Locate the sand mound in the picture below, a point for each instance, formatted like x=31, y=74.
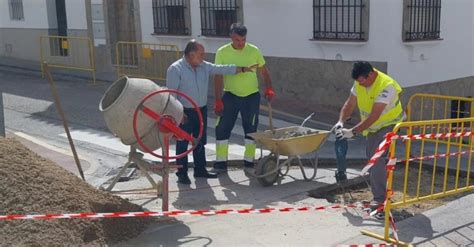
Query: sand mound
x=30, y=184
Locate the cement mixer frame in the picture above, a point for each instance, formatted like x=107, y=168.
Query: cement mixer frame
x=167, y=127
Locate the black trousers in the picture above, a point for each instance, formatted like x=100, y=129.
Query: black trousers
x=191, y=126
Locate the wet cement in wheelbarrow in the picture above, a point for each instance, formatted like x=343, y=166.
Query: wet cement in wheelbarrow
x=291, y=134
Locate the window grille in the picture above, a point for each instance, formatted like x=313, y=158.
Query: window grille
x=217, y=16
x=169, y=17
x=422, y=20
x=16, y=9
x=340, y=20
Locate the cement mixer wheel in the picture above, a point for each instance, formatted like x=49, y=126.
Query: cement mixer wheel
x=167, y=125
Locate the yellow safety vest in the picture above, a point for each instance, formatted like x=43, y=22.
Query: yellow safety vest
x=366, y=98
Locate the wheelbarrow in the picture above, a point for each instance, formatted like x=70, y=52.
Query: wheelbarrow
x=293, y=142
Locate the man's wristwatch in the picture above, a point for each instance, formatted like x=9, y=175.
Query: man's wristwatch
x=242, y=69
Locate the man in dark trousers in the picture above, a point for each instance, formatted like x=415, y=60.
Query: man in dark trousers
x=241, y=95
x=190, y=75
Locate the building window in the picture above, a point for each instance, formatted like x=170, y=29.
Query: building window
x=171, y=17
x=341, y=20
x=421, y=20
x=217, y=16
x=16, y=9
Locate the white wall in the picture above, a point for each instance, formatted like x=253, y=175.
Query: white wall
x=36, y=15
x=76, y=14
x=472, y=36
x=283, y=28
x=34, y=11
x=448, y=59
x=1, y=21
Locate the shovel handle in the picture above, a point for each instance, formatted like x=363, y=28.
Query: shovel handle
x=270, y=116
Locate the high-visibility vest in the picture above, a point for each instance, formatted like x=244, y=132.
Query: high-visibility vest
x=366, y=99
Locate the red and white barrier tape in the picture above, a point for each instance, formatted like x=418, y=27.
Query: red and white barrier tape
x=392, y=162
x=367, y=245
x=394, y=226
x=385, y=144
x=436, y=135
x=173, y=213
x=438, y=128
x=435, y=156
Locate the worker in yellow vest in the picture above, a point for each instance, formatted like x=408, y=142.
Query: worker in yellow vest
x=377, y=97
x=241, y=95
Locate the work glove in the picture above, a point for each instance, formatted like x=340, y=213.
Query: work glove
x=218, y=107
x=269, y=93
x=338, y=125
x=344, y=133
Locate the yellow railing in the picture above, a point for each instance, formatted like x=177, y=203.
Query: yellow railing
x=432, y=107
x=441, y=165
x=67, y=52
x=145, y=60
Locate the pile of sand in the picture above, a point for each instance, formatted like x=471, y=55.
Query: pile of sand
x=30, y=184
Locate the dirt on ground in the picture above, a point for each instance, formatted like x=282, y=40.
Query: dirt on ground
x=419, y=184
x=31, y=184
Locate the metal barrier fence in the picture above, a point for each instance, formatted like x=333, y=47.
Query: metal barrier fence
x=145, y=60
x=67, y=52
x=433, y=107
x=441, y=165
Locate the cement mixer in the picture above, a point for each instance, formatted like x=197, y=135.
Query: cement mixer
x=118, y=106
x=146, y=117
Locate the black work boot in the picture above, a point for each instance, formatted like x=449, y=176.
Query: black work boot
x=204, y=174
x=219, y=167
x=183, y=178
x=341, y=176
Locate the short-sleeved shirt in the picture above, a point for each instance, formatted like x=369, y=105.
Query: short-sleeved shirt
x=242, y=84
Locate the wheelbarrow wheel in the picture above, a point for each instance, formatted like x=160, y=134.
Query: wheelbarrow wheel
x=268, y=167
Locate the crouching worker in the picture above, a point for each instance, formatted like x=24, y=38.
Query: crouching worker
x=377, y=97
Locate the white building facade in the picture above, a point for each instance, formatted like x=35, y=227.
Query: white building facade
x=309, y=44
x=284, y=28
x=22, y=22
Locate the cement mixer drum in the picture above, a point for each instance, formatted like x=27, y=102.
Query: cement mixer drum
x=120, y=101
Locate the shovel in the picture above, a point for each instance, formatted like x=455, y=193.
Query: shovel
x=305, y=120
x=270, y=116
